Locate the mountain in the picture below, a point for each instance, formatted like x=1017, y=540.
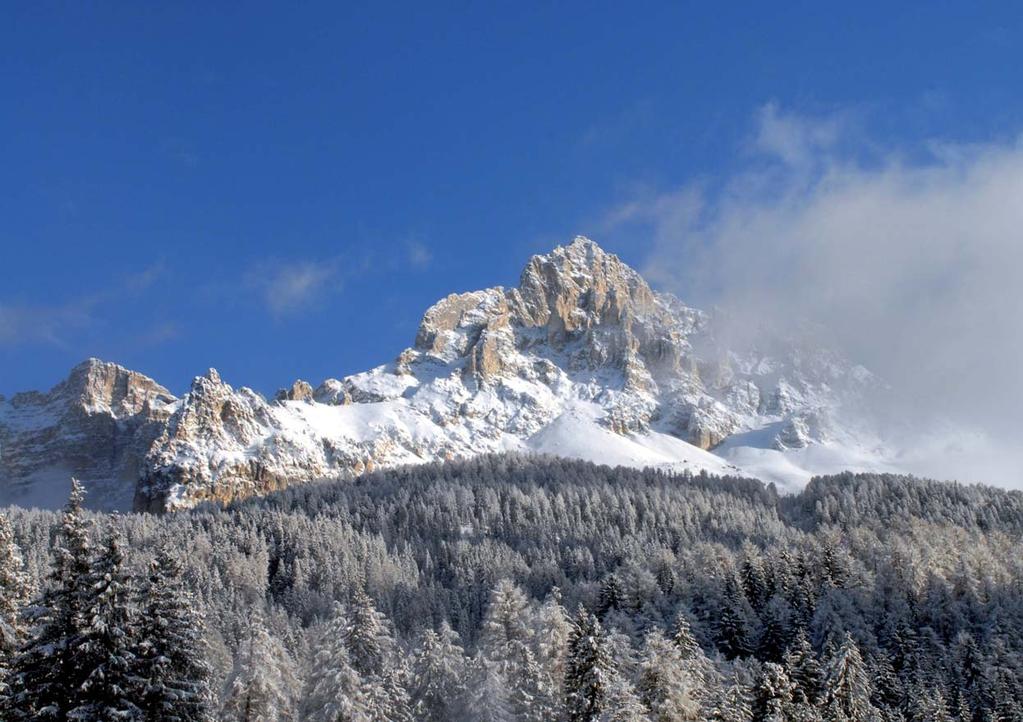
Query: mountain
x=583, y=359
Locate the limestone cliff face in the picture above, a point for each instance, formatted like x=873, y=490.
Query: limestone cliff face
x=98, y=423
x=581, y=358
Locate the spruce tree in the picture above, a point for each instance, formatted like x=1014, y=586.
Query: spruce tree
x=104, y=649
x=847, y=685
x=172, y=666
x=439, y=675
x=366, y=636
x=803, y=669
x=371, y=649
x=16, y=591
x=732, y=625
x=664, y=685
x=734, y=705
x=262, y=684
x=622, y=703
x=46, y=676
x=611, y=597
x=772, y=701
x=589, y=671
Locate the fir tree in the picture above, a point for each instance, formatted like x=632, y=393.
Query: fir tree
x=803, y=669
x=734, y=705
x=369, y=644
x=611, y=597
x=16, y=591
x=173, y=670
x=847, y=685
x=682, y=636
x=664, y=685
x=438, y=671
x=772, y=700
x=371, y=651
x=262, y=684
x=928, y=705
x=104, y=650
x=622, y=703
x=46, y=676
x=589, y=670
x=732, y=625
x=333, y=689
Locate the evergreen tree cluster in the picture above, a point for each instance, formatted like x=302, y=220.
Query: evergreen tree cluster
x=511, y=588
x=97, y=645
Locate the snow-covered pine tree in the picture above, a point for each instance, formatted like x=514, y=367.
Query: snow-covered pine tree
x=589, y=670
x=735, y=704
x=506, y=621
x=703, y=674
x=682, y=636
x=754, y=576
x=366, y=637
x=488, y=697
x=506, y=640
x=847, y=685
x=16, y=590
x=172, y=667
x=732, y=625
x=439, y=675
x=803, y=669
x=333, y=689
x=927, y=705
x=622, y=703
x=665, y=686
x=104, y=649
x=371, y=649
x=262, y=684
x=45, y=676
x=772, y=701
x=387, y=696
x=776, y=616
x=552, y=628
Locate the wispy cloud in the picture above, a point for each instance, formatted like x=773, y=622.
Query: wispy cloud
x=26, y=324
x=909, y=260
x=60, y=324
x=288, y=287
x=419, y=255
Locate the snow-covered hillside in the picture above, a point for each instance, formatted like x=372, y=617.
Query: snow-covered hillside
x=582, y=359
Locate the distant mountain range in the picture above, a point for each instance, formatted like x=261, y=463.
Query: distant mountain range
x=583, y=359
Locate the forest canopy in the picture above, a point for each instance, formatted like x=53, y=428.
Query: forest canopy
x=512, y=587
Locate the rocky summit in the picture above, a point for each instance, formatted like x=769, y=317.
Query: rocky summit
x=582, y=359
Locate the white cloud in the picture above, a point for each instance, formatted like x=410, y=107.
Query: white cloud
x=910, y=266
x=289, y=287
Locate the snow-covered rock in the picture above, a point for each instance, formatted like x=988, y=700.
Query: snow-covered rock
x=581, y=359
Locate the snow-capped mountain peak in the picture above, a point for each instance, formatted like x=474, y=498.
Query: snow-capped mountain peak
x=582, y=359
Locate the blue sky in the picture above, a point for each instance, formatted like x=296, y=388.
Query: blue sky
x=280, y=192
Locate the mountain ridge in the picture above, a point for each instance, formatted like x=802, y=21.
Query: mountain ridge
x=581, y=359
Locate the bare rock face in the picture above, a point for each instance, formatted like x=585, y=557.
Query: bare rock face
x=97, y=425
x=582, y=358
x=298, y=391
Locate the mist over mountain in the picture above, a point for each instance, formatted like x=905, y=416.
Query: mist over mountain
x=904, y=260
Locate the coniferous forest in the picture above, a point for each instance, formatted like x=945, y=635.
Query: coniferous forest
x=519, y=588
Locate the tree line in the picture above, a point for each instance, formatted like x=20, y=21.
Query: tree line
x=523, y=588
